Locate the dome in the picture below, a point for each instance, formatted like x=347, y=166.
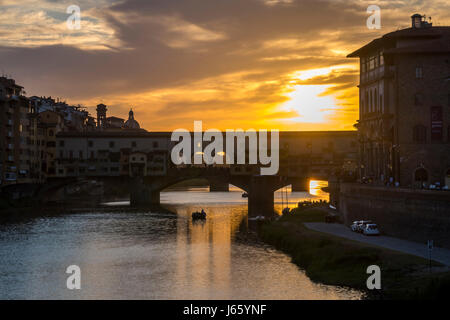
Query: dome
x=131, y=123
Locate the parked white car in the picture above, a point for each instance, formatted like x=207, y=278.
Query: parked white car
x=371, y=229
x=362, y=225
x=355, y=226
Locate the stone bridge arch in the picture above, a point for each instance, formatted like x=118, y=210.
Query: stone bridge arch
x=145, y=191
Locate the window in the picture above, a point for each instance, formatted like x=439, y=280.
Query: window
x=111, y=144
x=50, y=133
x=381, y=103
x=71, y=154
x=420, y=134
x=92, y=154
x=419, y=73
x=61, y=143
x=133, y=144
x=372, y=63
x=155, y=144
x=367, y=102
x=90, y=143
x=60, y=154
x=80, y=154
x=375, y=97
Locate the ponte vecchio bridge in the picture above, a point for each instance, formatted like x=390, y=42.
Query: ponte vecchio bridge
x=143, y=161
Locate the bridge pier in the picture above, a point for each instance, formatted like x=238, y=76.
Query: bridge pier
x=143, y=195
x=261, y=196
x=300, y=184
x=216, y=185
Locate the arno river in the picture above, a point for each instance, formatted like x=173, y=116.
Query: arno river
x=126, y=254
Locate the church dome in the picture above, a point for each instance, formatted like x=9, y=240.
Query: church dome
x=131, y=123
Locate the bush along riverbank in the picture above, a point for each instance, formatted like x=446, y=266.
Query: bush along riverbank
x=337, y=261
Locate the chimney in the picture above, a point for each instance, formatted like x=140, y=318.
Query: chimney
x=418, y=21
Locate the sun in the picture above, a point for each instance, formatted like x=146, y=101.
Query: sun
x=310, y=103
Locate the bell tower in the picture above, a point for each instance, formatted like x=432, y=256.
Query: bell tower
x=101, y=116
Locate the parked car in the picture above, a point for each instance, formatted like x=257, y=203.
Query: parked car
x=355, y=225
x=362, y=225
x=371, y=229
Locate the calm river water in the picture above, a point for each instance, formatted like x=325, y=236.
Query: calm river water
x=150, y=255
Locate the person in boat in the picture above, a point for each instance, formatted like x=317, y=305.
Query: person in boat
x=203, y=212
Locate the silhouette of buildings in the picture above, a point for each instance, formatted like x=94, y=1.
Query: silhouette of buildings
x=18, y=154
x=29, y=127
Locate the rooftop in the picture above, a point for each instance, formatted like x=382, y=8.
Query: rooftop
x=436, y=40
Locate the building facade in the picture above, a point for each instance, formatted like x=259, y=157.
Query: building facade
x=404, y=94
x=112, y=153
x=18, y=153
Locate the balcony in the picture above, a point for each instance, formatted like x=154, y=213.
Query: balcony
x=377, y=74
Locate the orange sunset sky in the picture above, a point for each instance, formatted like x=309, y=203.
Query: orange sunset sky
x=230, y=63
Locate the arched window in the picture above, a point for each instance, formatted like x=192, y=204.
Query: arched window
x=370, y=101
x=420, y=134
x=421, y=175
x=50, y=133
